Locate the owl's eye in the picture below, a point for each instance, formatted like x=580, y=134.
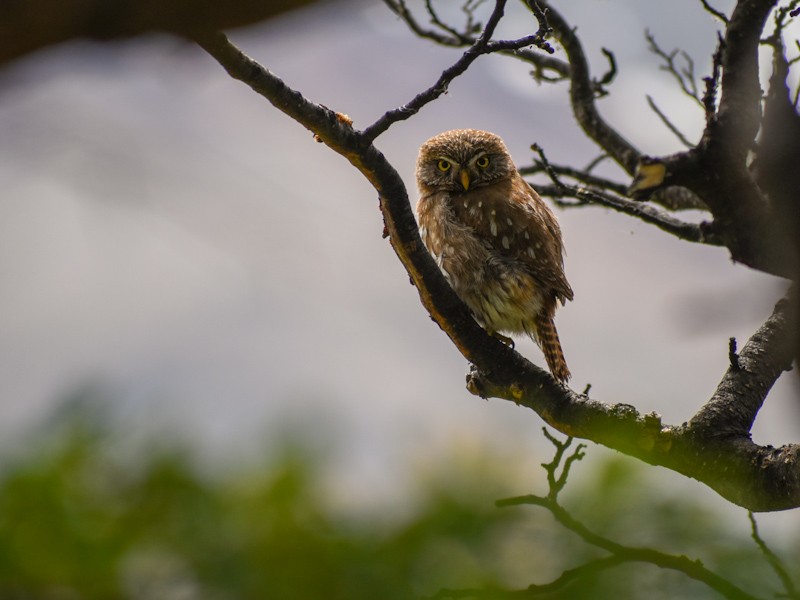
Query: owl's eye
x=482, y=162
x=444, y=165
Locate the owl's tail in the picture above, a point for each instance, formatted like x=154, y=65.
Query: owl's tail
x=547, y=337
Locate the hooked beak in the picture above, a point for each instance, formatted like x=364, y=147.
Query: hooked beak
x=464, y=179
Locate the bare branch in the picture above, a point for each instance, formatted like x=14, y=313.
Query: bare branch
x=582, y=95
x=481, y=46
x=761, y=478
x=399, y=8
x=669, y=124
x=719, y=15
x=739, y=111
x=649, y=214
x=557, y=482
x=582, y=175
x=545, y=68
x=774, y=561
x=683, y=75
x=693, y=569
x=738, y=398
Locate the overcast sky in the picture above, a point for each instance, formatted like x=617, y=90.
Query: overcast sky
x=170, y=240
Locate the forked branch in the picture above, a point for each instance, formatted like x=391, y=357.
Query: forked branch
x=618, y=553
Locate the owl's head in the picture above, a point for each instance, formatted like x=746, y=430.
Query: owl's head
x=462, y=159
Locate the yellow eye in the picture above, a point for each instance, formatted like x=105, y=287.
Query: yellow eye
x=444, y=165
x=482, y=162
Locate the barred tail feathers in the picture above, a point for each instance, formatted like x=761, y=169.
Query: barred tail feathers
x=547, y=338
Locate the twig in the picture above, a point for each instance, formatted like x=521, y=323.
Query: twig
x=434, y=18
x=400, y=8
x=733, y=357
x=587, y=569
x=481, y=46
x=583, y=92
x=693, y=569
x=669, y=124
x=719, y=15
x=684, y=76
x=581, y=175
x=644, y=212
x=775, y=562
x=711, y=82
x=557, y=482
x=609, y=75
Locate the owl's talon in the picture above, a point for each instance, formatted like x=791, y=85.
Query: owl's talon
x=506, y=340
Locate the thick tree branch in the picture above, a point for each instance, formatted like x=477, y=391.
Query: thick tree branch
x=335, y=131
x=760, y=478
x=716, y=170
x=732, y=409
x=739, y=113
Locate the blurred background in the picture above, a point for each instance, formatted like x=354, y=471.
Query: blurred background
x=187, y=278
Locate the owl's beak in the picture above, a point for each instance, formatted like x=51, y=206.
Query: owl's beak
x=465, y=179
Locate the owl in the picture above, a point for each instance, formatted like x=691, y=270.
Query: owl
x=497, y=243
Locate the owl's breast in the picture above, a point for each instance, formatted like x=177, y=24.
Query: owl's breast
x=499, y=289
x=455, y=246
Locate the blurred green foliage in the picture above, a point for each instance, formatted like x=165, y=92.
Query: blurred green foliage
x=81, y=520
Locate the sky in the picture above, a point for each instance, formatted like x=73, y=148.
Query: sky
x=172, y=244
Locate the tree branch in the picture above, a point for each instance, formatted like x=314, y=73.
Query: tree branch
x=713, y=11
x=760, y=478
x=716, y=170
x=667, y=123
x=619, y=553
x=582, y=95
x=732, y=409
x=693, y=569
x=543, y=63
x=482, y=45
x=685, y=76
x=649, y=214
x=773, y=560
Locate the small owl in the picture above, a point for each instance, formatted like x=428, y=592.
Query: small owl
x=495, y=240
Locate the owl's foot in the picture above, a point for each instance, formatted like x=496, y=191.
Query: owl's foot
x=506, y=340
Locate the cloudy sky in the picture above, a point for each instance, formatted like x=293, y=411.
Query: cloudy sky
x=171, y=242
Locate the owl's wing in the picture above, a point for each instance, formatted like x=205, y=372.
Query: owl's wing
x=517, y=224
